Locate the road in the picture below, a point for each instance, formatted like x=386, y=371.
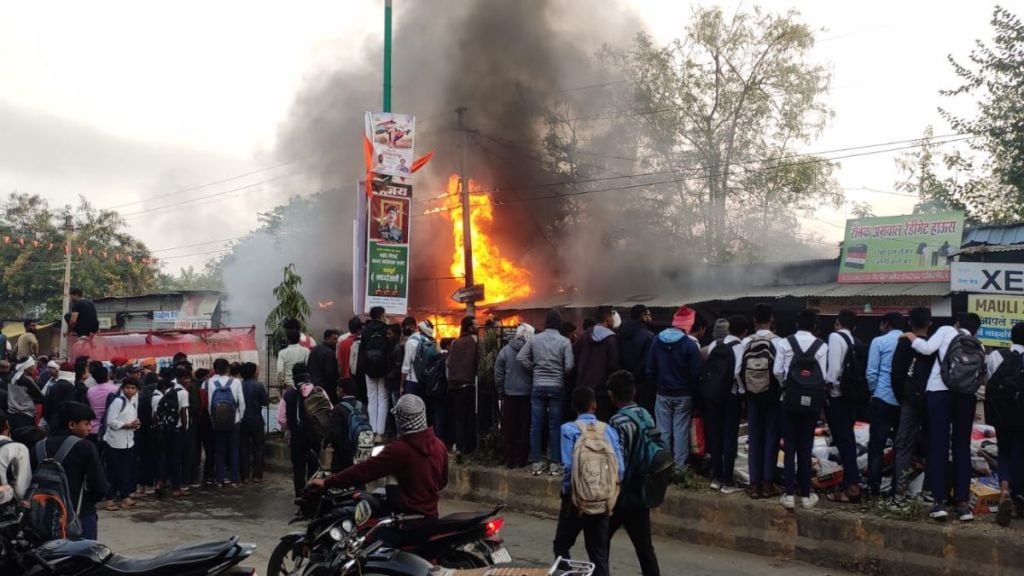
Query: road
x=260, y=514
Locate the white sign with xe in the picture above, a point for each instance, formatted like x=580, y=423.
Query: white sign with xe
x=987, y=277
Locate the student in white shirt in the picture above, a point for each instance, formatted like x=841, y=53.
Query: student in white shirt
x=798, y=428
x=227, y=438
x=15, y=465
x=119, y=451
x=1011, y=439
x=762, y=407
x=839, y=411
x=950, y=419
x=723, y=418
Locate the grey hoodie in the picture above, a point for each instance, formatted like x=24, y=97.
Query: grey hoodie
x=549, y=355
x=510, y=378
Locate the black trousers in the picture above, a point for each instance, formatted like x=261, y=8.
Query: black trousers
x=208, y=442
x=303, y=463
x=251, y=448
x=172, y=463
x=464, y=404
x=515, y=430
x=638, y=526
x=595, y=535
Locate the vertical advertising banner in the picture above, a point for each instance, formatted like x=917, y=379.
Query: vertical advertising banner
x=391, y=136
x=910, y=248
x=998, y=315
x=387, y=246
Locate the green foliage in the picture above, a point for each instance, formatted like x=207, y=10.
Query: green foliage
x=290, y=304
x=31, y=279
x=990, y=187
x=190, y=279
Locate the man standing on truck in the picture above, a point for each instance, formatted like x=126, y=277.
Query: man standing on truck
x=82, y=319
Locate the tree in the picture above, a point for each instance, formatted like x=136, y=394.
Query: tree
x=106, y=259
x=994, y=77
x=713, y=120
x=290, y=304
x=208, y=278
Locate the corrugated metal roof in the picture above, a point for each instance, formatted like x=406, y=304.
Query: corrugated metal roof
x=697, y=296
x=994, y=235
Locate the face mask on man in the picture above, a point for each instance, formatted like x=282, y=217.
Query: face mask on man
x=408, y=331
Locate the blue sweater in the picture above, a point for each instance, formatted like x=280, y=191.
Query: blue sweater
x=673, y=363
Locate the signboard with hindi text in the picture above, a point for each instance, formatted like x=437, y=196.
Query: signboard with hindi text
x=912, y=248
x=391, y=136
x=987, y=277
x=998, y=315
x=387, y=247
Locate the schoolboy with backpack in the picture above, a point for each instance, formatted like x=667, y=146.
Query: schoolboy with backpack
x=721, y=393
x=648, y=470
x=757, y=360
x=351, y=435
x=593, y=469
x=226, y=407
x=1004, y=409
x=800, y=364
x=952, y=384
x=67, y=480
x=848, y=392
x=910, y=372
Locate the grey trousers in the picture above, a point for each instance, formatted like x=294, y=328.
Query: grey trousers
x=908, y=434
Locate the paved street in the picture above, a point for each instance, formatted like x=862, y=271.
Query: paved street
x=260, y=514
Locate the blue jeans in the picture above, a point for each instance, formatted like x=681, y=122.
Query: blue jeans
x=763, y=437
x=951, y=417
x=546, y=401
x=673, y=415
x=227, y=449
x=884, y=419
x=839, y=415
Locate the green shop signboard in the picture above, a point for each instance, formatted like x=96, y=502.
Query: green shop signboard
x=912, y=248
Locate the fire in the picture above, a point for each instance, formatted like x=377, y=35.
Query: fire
x=448, y=326
x=502, y=279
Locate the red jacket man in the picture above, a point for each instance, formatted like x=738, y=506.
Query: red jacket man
x=418, y=459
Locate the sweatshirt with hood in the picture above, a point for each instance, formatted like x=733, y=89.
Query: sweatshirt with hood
x=511, y=378
x=598, y=357
x=420, y=463
x=548, y=354
x=673, y=363
x=635, y=340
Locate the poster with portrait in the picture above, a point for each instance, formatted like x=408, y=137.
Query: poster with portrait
x=389, y=213
x=391, y=136
x=387, y=246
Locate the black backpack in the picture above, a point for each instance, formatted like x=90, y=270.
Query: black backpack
x=168, y=413
x=963, y=368
x=1004, y=393
x=429, y=367
x=805, y=383
x=853, y=383
x=146, y=407
x=719, y=372
x=910, y=381
x=51, y=514
x=374, y=346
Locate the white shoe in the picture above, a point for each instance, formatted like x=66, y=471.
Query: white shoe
x=715, y=485
x=538, y=468
x=726, y=490
x=810, y=501
x=788, y=502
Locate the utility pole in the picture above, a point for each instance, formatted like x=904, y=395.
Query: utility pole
x=69, y=228
x=467, y=236
x=387, y=56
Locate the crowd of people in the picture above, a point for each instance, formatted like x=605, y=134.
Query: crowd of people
x=123, y=431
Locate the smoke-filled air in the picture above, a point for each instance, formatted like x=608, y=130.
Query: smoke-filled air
x=594, y=157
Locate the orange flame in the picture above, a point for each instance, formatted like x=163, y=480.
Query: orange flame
x=502, y=279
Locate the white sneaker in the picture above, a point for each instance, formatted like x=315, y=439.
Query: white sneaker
x=788, y=502
x=726, y=490
x=538, y=468
x=715, y=485
x=810, y=501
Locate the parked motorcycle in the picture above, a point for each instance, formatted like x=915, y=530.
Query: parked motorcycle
x=365, y=551
x=90, y=558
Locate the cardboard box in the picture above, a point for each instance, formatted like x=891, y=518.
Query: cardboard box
x=984, y=498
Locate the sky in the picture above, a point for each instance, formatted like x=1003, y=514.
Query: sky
x=127, y=104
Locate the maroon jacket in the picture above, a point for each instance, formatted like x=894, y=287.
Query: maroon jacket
x=463, y=361
x=418, y=460
x=596, y=358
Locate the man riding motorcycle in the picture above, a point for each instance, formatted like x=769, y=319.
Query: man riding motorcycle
x=417, y=459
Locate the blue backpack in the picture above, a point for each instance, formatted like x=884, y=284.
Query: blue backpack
x=111, y=398
x=651, y=463
x=222, y=406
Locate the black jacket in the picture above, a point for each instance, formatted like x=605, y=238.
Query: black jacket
x=635, y=340
x=323, y=368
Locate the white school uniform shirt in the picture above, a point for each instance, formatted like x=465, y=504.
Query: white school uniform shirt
x=122, y=411
x=737, y=388
x=236, y=391
x=837, y=348
x=938, y=343
x=995, y=359
x=784, y=354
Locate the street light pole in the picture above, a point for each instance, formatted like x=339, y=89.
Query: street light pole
x=387, y=56
x=69, y=228
x=467, y=233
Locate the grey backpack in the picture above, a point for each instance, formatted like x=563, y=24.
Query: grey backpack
x=963, y=367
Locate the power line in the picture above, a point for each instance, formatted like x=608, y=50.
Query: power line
x=214, y=195
x=198, y=244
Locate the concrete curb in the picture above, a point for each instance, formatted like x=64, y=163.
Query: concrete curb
x=827, y=536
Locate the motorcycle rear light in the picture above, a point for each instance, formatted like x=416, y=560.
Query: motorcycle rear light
x=493, y=527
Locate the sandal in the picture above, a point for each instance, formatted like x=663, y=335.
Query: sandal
x=850, y=495
x=755, y=492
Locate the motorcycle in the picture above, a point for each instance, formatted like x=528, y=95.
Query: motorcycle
x=365, y=551
x=464, y=540
x=18, y=555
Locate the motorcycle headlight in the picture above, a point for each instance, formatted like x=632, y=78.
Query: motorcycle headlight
x=348, y=526
x=337, y=533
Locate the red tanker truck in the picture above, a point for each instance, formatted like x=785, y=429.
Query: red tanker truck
x=202, y=345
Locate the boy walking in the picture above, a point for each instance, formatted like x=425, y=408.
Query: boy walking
x=581, y=511
x=634, y=426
